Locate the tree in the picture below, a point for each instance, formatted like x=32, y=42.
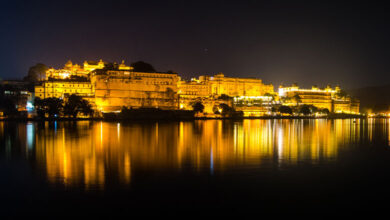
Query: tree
x=225, y=109
x=36, y=73
x=305, y=110
x=50, y=106
x=313, y=109
x=7, y=106
x=325, y=111
x=224, y=97
x=86, y=108
x=54, y=106
x=216, y=109
x=39, y=105
x=75, y=105
x=285, y=110
x=141, y=66
x=308, y=109
x=297, y=99
x=198, y=107
x=71, y=107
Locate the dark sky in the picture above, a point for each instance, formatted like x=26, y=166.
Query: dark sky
x=308, y=42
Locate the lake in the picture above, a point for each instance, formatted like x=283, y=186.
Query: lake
x=216, y=166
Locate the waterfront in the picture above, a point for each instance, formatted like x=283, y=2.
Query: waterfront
x=91, y=167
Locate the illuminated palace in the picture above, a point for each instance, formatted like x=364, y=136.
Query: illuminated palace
x=220, y=85
x=117, y=88
x=209, y=88
x=332, y=99
x=72, y=79
x=110, y=87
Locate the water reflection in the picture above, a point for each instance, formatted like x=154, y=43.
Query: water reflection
x=90, y=154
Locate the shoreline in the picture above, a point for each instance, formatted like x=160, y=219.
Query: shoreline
x=184, y=119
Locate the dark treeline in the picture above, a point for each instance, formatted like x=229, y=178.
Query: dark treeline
x=73, y=106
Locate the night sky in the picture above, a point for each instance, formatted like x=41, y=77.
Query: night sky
x=308, y=42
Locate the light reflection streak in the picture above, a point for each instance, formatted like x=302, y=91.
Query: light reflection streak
x=119, y=130
x=211, y=161
x=30, y=135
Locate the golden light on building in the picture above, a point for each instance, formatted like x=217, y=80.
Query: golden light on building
x=74, y=70
x=253, y=106
x=90, y=66
x=111, y=89
x=207, y=89
x=326, y=98
x=115, y=89
x=62, y=88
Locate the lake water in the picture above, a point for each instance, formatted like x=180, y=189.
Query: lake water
x=222, y=167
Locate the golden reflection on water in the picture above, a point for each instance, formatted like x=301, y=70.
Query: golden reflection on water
x=88, y=153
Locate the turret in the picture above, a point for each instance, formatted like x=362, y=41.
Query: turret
x=68, y=65
x=337, y=89
x=123, y=66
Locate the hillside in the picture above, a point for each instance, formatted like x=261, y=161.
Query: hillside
x=376, y=98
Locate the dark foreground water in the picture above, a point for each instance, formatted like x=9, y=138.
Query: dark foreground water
x=218, y=167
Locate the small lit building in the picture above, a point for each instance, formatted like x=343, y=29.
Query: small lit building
x=18, y=92
x=253, y=106
x=345, y=105
x=64, y=88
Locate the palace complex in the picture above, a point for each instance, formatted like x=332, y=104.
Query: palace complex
x=110, y=87
x=213, y=90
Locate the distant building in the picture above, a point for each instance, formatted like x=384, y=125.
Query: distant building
x=326, y=98
x=345, y=105
x=18, y=92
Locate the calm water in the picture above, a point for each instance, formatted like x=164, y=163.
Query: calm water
x=217, y=166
